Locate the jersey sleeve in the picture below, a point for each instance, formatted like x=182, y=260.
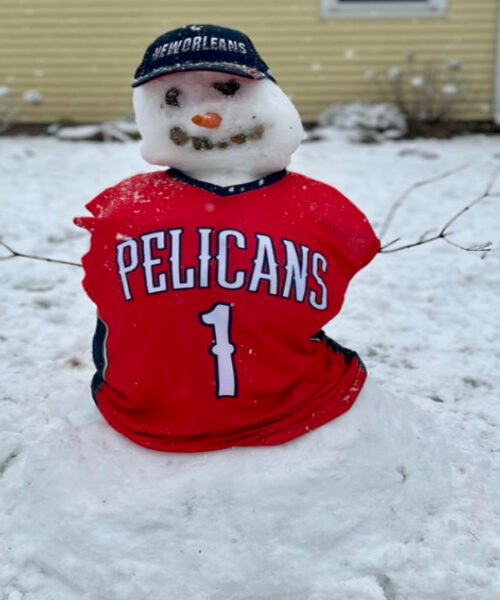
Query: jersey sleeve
x=353, y=234
x=102, y=226
x=98, y=208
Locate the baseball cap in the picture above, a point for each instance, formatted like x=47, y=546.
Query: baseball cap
x=202, y=48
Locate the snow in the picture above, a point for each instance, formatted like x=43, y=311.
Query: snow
x=450, y=89
x=394, y=73
x=382, y=120
x=114, y=130
x=417, y=81
x=33, y=97
x=87, y=514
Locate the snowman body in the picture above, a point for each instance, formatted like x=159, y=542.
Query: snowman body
x=213, y=281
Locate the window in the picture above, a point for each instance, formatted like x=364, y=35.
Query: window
x=383, y=8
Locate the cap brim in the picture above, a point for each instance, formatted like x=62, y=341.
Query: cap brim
x=233, y=69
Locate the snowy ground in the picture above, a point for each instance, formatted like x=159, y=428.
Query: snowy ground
x=85, y=514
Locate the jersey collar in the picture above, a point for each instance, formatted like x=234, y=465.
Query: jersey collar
x=230, y=190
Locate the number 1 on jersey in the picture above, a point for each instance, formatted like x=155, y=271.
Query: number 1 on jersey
x=220, y=319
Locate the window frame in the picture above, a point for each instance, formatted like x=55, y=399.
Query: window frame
x=380, y=9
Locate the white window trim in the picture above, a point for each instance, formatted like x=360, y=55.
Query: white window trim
x=383, y=10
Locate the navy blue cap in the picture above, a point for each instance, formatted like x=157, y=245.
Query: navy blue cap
x=202, y=48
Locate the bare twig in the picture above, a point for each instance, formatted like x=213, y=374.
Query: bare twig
x=399, y=201
x=15, y=254
x=444, y=233
x=484, y=247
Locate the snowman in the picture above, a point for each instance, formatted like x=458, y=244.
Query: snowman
x=213, y=279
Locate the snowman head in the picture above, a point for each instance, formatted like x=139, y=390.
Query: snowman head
x=206, y=102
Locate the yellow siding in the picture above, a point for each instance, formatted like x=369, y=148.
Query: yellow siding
x=81, y=54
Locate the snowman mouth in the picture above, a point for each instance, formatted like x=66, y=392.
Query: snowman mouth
x=180, y=137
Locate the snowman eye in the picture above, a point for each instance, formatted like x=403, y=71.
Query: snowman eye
x=227, y=88
x=172, y=97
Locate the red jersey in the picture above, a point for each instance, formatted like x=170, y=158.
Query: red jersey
x=210, y=306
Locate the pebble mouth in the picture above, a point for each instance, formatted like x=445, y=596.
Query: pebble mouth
x=180, y=138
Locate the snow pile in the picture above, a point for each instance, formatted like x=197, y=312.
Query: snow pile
x=121, y=131
x=403, y=504
x=11, y=105
x=116, y=521
x=366, y=122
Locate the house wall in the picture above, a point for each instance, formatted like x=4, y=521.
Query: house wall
x=81, y=54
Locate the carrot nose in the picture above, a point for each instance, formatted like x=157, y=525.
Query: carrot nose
x=209, y=120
